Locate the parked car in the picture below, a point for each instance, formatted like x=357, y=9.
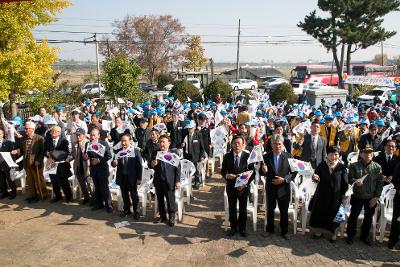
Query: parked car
x=195, y=81
x=384, y=93
x=92, y=88
x=147, y=87
x=243, y=84
x=273, y=83
x=168, y=87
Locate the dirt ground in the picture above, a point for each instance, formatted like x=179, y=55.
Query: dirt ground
x=46, y=234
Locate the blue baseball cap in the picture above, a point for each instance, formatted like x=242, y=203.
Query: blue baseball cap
x=318, y=113
x=328, y=117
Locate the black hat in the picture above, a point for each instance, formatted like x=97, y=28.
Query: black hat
x=74, y=112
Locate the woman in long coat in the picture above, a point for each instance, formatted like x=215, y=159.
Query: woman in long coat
x=332, y=178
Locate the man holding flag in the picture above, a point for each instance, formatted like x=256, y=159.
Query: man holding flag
x=167, y=178
x=129, y=175
x=98, y=153
x=233, y=165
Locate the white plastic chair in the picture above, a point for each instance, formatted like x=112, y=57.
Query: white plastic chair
x=218, y=152
x=187, y=174
x=251, y=206
x=306, y=191
x=178, y=201
x=19, y=175
x=144, y=189
x=361, y=216
x=201, y=168
x=352, y=157
x=386, y=212
x=115, y=190
x=293, y=206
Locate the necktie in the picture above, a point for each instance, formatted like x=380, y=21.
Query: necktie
x=55, y=143
x=237, y=161
x=277, y=164
x=389, y=158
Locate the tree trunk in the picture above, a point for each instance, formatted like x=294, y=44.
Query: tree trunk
x=348, y=66
x=338, y=66
x=341, y=83
x=13, y=106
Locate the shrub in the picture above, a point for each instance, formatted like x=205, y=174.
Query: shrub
x=216, y=87
x=163, y=79
x=361, y=90
x=184, y=89
x=283, y=92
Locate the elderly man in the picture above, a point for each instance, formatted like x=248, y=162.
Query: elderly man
x=99, y=170
x=81, y=166
x=368, y=184
x=233, y=164
x=167, y=178
x=57, y=150
x=75, y=123
x=278, y=178
x=313, y=146
x=129, y=176
x=32, y=149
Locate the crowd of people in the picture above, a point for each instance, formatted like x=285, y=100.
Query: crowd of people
x=324, y=136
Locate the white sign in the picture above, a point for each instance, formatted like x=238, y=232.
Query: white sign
x=371, y=80
x=8, y=159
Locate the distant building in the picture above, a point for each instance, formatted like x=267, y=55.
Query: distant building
x=261, y=73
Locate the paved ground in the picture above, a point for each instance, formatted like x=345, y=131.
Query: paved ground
x=46, y=234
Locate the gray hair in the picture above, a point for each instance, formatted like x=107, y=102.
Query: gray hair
x=56, y=127
x=277, y=138
x=31, y=124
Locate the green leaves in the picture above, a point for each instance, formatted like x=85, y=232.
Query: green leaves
x=120, y=78
x=216, y=87
x=183, y=90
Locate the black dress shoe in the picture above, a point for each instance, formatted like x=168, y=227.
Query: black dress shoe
x=124, y=213
x=285, y=236
x=12, y=196
x=136, y=216
x=33, y=200
x=160, y=220
x=28, y=199
x=332, y=240
x=109, y=209
x=243, y=233
x=366, y=241
x=232, y=232
x=390, y=245
x=85, y=200
x=350, y=240
x=2, y=196
x=97, y=207
x=54, y=200
x=171, y=221
x=315, y=236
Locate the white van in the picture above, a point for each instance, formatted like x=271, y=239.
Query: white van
x=195, y=82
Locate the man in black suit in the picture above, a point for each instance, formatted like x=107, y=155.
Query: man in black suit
x=142, y=133
x=151, y=145
x=116, y=133
x=175, y=129
x=234, y=163
x=313, y=147
x=278, y=178
x=56, y=149
x=371, y=138
x=166, y=178
x=388, y=160
x=99, y=172
x=5, y=179
x=395, y=227
x=129, y=176
x=205, y=132
x=193, y=148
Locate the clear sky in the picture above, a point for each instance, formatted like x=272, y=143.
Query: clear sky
x=214, y=20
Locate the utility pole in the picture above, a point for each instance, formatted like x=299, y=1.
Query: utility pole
x=382, y=53
x=108, y=47
x=212, y=69
x=237, y=53
x=98, y=62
